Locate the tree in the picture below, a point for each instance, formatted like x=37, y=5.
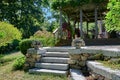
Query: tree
x=8, y=33
x=26, y=15
x=113, y=16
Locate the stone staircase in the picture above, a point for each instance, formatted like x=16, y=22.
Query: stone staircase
x=55, y=61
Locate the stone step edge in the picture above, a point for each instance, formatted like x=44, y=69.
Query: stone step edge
x=58, y=49
x=76, y=74
x=37, y=70
x=58, y=60
x=51, y=63
x=54, y=66
x=60, y=54
x=48, y=52
x=55, y=58
x=107, y=72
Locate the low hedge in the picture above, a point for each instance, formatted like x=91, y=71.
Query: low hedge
x=25, y=44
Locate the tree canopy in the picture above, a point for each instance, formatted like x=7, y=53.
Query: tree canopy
x=26, y=15
x=113, y=16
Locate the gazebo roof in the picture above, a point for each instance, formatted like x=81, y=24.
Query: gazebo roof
x=88, y=7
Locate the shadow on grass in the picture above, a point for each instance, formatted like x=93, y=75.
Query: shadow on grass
x=8, y=57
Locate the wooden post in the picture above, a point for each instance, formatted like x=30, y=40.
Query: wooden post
x=78, y=25
x=81, y=32
x=87, y=24
x=60, y=33
x=96, y=24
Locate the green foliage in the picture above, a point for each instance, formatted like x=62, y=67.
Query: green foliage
x=56, y=4
x=19, y=63
x=113, y=16
x=13, y=46
x=45, y=37
x=7, y=58
x=6, y=70
x=8, y=33
x=26, y=15
x=112, y=64
x=25, y=44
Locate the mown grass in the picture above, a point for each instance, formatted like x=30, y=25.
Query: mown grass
x=111, y=65
x=6, y=72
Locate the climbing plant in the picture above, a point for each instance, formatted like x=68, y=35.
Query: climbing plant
x=113, y=16
x=56, y=4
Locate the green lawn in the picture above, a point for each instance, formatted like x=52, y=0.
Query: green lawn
x=6, y=72
x=111, y=65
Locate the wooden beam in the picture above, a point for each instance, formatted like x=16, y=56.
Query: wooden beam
x=87, y=24
x=81, y=17
x=60, y=36
x=96, y=24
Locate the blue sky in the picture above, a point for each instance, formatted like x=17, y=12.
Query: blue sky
x=47, y=14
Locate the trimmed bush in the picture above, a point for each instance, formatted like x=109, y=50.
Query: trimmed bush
x=19, y=63
x=25, y=44
x=45, y=37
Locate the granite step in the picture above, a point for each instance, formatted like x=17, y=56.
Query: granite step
x=76, y=74
x=56, y=54
x=54, y=66
x=102, y=70
x=54, y=60
x=58, y=72
x=58, y=49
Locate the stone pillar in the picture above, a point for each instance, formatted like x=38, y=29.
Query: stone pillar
x=96, y=24
x=81, y=32
x=33, y=55
x=78, y=43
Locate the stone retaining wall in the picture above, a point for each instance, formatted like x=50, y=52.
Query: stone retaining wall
x=100, y=72
x=79, y=58
x=33, y=55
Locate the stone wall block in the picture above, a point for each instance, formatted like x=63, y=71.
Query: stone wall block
x=33, y=55
x=38, y=58
x=71, y=62
x=75, y=56
x=81, y=63
x=78, y=43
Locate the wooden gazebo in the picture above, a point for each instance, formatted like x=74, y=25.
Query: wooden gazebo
x=82, y=11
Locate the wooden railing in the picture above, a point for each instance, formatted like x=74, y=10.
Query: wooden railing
x=56, y=34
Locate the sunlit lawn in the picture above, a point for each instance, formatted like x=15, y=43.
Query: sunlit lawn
x=111, y=65
x=6, y=72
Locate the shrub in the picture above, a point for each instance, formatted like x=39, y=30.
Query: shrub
x=10, y=47
x=19, y=63
x=8, y=33
x=15, y=44
x=45, y=37
x=25, y=44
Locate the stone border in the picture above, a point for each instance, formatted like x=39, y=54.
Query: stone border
x=56, y=49
x=108, y=73
x=76, y=74
x=105, y=52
